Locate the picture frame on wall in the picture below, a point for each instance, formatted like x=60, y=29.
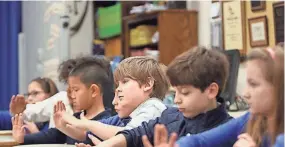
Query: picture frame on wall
x=257, y=5
x=233, y=26
x=278, y=14
x=258, y=31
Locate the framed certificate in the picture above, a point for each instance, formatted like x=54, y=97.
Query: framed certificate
x=233, y=14
x=258, y=31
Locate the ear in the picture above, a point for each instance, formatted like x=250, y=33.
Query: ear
x=212, y=90
x=95, y=90
x=149, y=84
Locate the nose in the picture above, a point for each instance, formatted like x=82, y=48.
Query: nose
x=72, y=94
x=30, y=99
x=177, y=99
x=115, y=100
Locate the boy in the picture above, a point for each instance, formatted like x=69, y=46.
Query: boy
x=86, y=82
x=141, y=86
x=43, y=111
x=198, y=77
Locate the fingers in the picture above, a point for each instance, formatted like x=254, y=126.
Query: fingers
x=246, y=137
x=82, y=145
x=172, y=139
x=20, y=120
x=160, y=134
x=156, y=134
x=163, y=134
x=146, y=142
x=55, y=107
x=63, y=106
x=95, y=140
x=13, y=120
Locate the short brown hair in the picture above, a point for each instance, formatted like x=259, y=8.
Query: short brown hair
x=141, y=68
x=199, y=67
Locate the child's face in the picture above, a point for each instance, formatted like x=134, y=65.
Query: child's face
x=80, y=94
x=258, y=91
x=36, y=93
x=190, y=100
x=128, y=96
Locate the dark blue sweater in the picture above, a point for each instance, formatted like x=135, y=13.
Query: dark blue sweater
x=54, y=136
x=176, y=122
x=224, y=136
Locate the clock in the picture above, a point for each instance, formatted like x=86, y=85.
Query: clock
x=76, y=11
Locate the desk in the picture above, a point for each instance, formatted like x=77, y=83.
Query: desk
x=6, y=139
x=46, y=145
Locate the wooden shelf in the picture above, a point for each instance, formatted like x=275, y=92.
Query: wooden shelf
x=178, y=32
x=152, y=45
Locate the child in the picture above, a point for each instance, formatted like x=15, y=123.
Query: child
x=141, y=86
x=265, y=96
x=86, y=82
x=43, y=111
x=198, y=77
x=39, y=89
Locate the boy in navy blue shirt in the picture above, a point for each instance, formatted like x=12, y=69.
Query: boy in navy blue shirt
x=198, y=77
x=86, y=82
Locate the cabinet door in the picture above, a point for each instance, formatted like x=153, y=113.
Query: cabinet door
x=178, y=32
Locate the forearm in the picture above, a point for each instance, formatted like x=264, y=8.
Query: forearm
x=75, y=133
x=101, y=130
x=116, y=141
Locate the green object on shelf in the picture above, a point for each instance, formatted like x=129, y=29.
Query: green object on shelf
x=109, y=21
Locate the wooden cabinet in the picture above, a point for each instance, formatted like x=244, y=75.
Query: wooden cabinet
x=178, y=31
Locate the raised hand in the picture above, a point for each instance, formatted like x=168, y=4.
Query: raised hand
x=245, y=140
x=160, y=138
x=17, y=104
x=59, y=110
x=18, y=131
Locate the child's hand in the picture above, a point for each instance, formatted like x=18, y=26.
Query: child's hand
x=17, y=104
x=18, y=131
x=245, y=140
x=59, y=110
x=82, y=145
x=31, y=126
x=160, y=138
x=94, y=140
x=73, y=121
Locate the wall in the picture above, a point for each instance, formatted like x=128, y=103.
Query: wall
x=38, y=33
x=82, y=42
x=270, y=22
x=204, y=25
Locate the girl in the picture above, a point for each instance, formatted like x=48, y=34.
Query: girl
x=39, y=89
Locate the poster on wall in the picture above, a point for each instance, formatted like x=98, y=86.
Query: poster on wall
x=233, y=13
x=278, y=13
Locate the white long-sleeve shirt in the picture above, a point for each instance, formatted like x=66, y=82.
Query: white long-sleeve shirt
x=43, y=111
